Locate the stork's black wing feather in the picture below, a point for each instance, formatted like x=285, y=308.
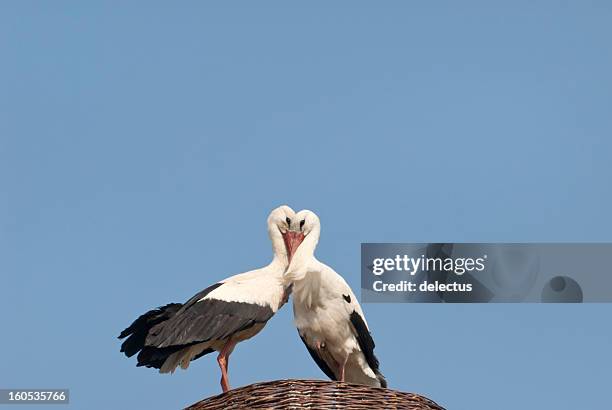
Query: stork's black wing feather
x=199, y=296
x=366, y=343
x=138, y=330
x=364, y=338
x=154, y=357
x=203, y=320
x=319, y=361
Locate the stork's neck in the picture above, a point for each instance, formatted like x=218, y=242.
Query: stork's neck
x=305, y=252
x=280, y=259
x=303, y=273
x=279, y=263
x=308, y=246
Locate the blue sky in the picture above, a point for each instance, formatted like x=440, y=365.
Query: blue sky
x=143, y=145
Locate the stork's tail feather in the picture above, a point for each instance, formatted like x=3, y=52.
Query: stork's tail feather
x=137, y=332
x=381, y=378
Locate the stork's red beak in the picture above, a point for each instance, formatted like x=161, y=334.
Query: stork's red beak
x=292, y=241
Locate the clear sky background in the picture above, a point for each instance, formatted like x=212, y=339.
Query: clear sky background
x=143, y=144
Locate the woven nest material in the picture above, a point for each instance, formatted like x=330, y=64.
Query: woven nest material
x=314, y=394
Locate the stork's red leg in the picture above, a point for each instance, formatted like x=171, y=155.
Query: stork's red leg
x=342, y=366
x=331, y=361
x=223, y=360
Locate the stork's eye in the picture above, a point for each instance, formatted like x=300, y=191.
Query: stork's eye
x=288, y=221
x=302, y=222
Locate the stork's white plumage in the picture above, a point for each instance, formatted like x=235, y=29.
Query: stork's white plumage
x=220, y=316
x=328, y=316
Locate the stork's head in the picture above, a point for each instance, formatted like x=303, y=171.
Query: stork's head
x=307, y=229
x=306, y=223
x=279, y=226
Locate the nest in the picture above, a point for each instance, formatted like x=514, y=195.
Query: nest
x=314, y=394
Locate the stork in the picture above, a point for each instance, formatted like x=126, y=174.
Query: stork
x=328, y=316
x=220, y=316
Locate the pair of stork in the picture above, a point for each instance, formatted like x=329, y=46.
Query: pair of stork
x=329, y=319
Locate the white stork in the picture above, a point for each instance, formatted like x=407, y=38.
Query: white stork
x=328, y=317
x=220, y=316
